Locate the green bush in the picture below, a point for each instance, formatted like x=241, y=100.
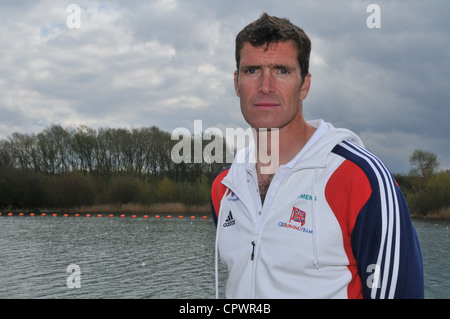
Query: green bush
x=127, y=189
x=166, y=191
x=434, y=195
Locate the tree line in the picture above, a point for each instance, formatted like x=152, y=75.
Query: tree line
x=68, y=167
x=71, y=167
x=426, y=188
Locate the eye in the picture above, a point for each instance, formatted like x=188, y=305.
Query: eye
x=283, y=71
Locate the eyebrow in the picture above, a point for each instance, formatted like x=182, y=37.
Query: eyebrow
x=270, y=66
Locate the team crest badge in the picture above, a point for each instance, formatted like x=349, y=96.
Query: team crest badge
x=298, y=216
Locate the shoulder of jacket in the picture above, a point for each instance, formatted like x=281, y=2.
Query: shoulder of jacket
x=371, y=165
x=217, y=188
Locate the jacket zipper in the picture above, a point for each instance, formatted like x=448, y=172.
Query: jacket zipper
x=253, y=251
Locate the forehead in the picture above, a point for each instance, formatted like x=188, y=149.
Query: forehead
x=281, y=53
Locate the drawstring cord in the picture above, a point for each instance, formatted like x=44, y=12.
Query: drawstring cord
x=216, y=266
x=313, y=211
x=216, y=250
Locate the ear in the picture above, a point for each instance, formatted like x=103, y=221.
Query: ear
x=236, y=83
x=304, y=90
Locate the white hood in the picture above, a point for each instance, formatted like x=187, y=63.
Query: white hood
x=314, y=157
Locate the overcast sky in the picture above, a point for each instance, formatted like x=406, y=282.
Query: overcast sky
x=166, y=63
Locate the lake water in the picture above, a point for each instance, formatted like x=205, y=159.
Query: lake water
x=142, y=257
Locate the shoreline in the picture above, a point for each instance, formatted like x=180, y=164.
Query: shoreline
x=125, y=209
x=164, y=208
x=440, y=214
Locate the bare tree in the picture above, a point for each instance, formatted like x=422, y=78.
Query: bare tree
x=424, y=163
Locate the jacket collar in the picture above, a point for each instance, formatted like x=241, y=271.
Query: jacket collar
x=312, y=156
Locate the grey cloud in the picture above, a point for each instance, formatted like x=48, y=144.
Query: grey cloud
x=167, y=63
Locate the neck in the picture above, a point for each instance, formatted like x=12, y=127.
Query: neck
x=279, y=146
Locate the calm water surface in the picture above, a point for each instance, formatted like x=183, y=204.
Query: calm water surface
x=118, y=257
x=435, y=245
x=142, y=258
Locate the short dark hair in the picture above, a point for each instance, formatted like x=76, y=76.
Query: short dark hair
x=269, y=29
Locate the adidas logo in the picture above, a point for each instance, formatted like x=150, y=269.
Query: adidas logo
x=229, y=221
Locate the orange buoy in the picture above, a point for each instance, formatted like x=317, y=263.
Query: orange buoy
x=54, y=215
x=32, y=214
x=20, y=214
x=122, y=216
x=110, y=215
x=66, y=215
x=88, y=215
x=192, y=217
x=99, y=215
x=169, y=216
x=204, y=217
x=10, y=214
x=156, y=216
x=133, y=216
x=145, y=216
x=43, y=214
x=180, y=216
x=77, y=215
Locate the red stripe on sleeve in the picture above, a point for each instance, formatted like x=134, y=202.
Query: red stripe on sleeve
x=218, y=190
x=347, y=190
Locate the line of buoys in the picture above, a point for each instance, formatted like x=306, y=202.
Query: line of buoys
x=101, y=215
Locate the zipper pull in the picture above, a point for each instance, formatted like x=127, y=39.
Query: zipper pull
x=253, y=250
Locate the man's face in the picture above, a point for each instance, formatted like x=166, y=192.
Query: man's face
x=270, y=86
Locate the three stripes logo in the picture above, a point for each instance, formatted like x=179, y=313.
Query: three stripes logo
x=229, y=221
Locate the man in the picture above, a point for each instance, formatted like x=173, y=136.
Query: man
x=329, y=221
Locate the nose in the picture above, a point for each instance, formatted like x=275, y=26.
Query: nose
x=266, y=85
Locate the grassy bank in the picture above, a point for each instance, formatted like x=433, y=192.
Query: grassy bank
x=442, y=213
x=162, y=208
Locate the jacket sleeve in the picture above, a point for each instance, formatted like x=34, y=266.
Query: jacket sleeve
x=383, y=240
x=385, y=244
x=217, y=192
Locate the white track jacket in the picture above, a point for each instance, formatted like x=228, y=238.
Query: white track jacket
x=336, y=227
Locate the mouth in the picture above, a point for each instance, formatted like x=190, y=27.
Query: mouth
x=267, y=105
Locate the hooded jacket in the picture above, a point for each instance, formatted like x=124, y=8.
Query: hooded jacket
x=337, y=226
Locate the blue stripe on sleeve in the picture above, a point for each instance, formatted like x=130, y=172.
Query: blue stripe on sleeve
x=384, y=240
